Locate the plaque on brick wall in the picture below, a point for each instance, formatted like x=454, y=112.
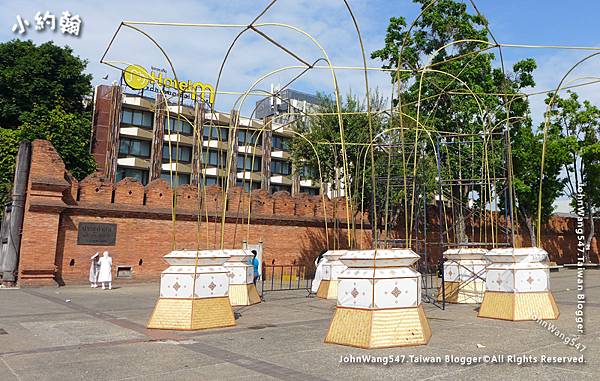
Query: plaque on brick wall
x=93, y=233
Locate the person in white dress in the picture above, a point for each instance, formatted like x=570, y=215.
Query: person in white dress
x=105, y=273
x=319, y=262
x=94, y=267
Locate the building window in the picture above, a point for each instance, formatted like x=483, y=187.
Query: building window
x=209, y=180
x=177, y=125
x=214, y=158
x=247, y=186
x=137, y=118
x=308, y=173
x=281, y=167
x=176, y=179
x=281, y=143
x=134, y=147
x=215, y=133
x=185, y=154
x=249, y=138
x=310, y=191
x=140, y=175
x=250, y=163
x=280, y=187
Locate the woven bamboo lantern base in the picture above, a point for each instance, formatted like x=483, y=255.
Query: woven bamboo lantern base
x=519, y=306
x=332, y=268
x=464, y=275
x=462, y=292
x=192, y=314
x=242, y=291
x=327, y=289
x=379, y=328
x=243, y=294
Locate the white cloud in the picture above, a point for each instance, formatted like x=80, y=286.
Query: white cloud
x=553, y=66
x=197, y=52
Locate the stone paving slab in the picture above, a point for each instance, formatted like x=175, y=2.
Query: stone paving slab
x=48, y=338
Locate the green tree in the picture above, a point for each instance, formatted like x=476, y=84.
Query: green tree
x=579, y=124
x=450, y=84
x=527, y=155
x=43, y=90
x=44, y=75
x=68, y=132
x=321, y=145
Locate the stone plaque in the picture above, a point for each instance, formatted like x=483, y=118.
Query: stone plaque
x=93, y=233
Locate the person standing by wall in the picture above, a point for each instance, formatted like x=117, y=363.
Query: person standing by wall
x=105, y=274
x=255, y=265
x=94, y=268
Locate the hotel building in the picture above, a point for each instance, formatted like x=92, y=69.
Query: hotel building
x=146, y=138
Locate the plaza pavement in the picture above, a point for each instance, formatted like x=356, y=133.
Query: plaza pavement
x=79, y=333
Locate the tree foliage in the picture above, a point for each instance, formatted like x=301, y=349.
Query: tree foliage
x=579, y=125
x=321, y=144
x=527, y=147
x=42, y=94
x=44, y=75
x=453, y=83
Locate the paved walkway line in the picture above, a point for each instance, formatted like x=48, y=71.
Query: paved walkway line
x=11, y=369
x=251, y=363
x=121, y=322
x=61, y=348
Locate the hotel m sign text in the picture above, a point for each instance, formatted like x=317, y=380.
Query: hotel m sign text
x=138, y=78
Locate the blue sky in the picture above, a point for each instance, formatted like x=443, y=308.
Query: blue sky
x=197, y=52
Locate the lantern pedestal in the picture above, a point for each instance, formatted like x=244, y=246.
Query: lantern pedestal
x=193, y=292
x=242, y=290
x=332, y=268
x=464, y=275
x=518, y=286
x=379, y=301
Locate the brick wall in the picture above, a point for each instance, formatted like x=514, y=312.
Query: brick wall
x=57, y=203
x=292, y=229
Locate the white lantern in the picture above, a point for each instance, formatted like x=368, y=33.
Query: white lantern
x=518, y=285
x=464, y=275
x=332, y=268
x=242, y=290
x=193, y=292
x=379, y=301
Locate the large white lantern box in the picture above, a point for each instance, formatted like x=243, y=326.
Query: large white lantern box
x=464, y=275
x=332, y=268
x=193, y=292
x=518, y=285
x=379, y=301
x=242, y=290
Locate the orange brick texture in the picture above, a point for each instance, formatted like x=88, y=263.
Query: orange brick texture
x=292, y=229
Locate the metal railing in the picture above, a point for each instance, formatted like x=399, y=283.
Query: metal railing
x=285, y=278
x=432, y=283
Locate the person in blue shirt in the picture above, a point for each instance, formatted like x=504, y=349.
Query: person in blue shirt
x=255, y=263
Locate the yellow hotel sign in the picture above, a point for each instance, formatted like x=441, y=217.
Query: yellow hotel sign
x=138, y=78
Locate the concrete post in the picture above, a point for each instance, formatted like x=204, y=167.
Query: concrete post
x=4, y=235
x=11, y=257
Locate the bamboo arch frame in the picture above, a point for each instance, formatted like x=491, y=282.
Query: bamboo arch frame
x=393, y=110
